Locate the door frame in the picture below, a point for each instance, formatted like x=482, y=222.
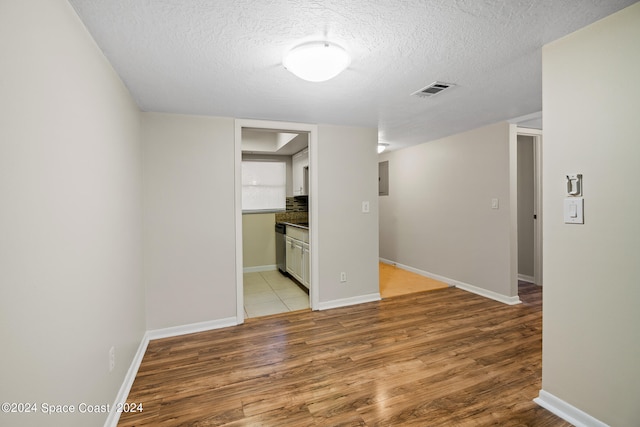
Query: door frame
x=536, y=134
x=312, y=130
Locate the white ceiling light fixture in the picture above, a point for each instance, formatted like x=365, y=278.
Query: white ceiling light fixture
x=317, y=61
x=382, y=146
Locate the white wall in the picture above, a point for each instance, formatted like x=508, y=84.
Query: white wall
x=438, y=217
x=188, y=210
x=591, y=101
x=348, y=238
x=70, y=251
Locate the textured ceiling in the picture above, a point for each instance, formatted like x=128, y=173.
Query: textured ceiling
x=224, y=58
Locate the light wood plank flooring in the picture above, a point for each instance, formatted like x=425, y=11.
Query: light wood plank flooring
x=439, y=358
x=395, y=281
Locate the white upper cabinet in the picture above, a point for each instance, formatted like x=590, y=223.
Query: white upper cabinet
x=300, y=165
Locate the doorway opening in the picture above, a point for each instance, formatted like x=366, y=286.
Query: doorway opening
x=277, y=146
x=529, y=205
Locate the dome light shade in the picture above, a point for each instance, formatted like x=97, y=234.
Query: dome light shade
x=317, y=61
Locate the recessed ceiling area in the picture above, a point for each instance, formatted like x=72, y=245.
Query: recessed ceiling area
x=222, y=58
x=273, y=142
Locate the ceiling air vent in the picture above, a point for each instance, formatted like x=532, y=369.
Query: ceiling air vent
x=433, y=89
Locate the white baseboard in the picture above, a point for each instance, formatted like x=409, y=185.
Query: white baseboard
x=344, y=302
x=526, y=278
x=487, y=293
x=567, y=412
x=464, y=286
x=259, y=268
x=125, y=388
x=191, y=328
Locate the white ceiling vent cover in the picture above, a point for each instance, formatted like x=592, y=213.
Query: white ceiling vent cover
x=433, y=89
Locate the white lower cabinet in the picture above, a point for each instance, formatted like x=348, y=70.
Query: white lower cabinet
x=297, y=254
x=305, y=265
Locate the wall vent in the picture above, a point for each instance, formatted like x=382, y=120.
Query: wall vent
x=433, y=89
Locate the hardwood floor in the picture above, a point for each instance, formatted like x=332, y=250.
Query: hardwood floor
x=438, y=358
x=395, y=281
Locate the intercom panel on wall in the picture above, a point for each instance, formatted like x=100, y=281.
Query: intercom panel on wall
x=574, y=203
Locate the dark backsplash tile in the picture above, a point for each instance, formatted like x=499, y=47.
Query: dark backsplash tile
x=297, y=210
x=298, y=204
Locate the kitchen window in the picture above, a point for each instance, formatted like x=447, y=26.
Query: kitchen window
x=264, y=186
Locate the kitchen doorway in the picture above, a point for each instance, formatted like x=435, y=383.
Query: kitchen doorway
x=266, y=276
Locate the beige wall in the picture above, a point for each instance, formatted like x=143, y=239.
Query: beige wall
x=526, y=198
x=591, y=100
x=188, y=213
x=258, y=240
x=438, y=217
x=70, y=251
x=348, y=238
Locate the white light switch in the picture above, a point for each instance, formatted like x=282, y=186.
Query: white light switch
x=365, y=207
x=495, y=203
x=573, y=210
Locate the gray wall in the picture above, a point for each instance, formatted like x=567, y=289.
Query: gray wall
x=188, y=205
x=438, y=217
x=348, y=238
x=70, y=245
x=591, y=340
x=526, y=198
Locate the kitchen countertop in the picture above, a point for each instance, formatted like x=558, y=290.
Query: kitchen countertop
x=303, y=225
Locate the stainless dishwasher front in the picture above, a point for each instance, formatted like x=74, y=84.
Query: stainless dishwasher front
x=281, y=257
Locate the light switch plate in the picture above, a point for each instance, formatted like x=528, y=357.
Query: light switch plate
x=573, y=210
x=365, y=207
x=495, y=203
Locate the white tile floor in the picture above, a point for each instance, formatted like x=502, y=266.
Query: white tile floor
x=270, y=292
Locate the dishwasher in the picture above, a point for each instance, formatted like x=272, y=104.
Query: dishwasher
x=281, y=256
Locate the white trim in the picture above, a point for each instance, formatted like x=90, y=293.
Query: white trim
x=537, y=239
x=191, y=328
x=259, y=268
x=537, y=189
x=125, y=388
x=513, y=210
x=314, y=215
x=567, y=411
x=312, y=129
x=526, y=278
x=344, y=302
x=464, y=286
x=487, y=293
x=529, y=131
x=237, y=147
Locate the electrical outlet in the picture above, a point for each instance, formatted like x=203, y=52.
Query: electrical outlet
x=343, y=277
x=112, y=358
